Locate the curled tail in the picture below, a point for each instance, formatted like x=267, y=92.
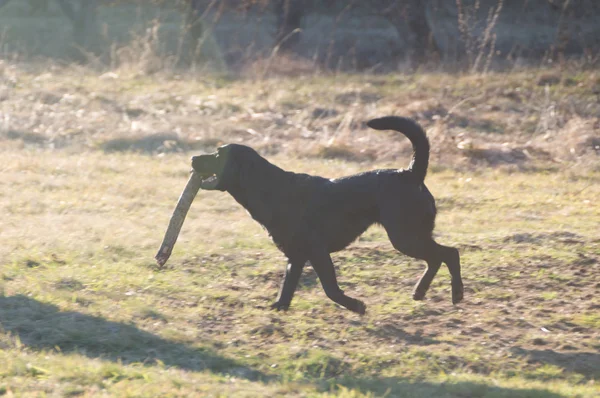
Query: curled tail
x=414, y=133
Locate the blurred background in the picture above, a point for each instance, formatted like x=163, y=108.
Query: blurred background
x=348, y=35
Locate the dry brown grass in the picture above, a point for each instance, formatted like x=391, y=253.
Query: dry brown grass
x=499, y=118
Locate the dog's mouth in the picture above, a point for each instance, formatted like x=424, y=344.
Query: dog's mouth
x=209, y=181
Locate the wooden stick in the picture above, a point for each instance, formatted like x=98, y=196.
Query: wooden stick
x=183, y=205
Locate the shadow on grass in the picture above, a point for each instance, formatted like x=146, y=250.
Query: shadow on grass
x=391, y=333
x=25, y=136
x=42, y=326
x=586, y=364
x=398, y=387
x=158, y=143
x=30, y=139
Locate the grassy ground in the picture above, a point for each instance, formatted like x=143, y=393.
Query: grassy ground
x=93, y=163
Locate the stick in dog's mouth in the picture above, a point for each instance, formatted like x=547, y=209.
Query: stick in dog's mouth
x=209, y=182
x=176, y=222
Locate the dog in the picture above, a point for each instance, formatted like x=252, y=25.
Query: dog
x=309, y=217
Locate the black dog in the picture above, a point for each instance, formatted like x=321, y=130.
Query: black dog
x=309, y=217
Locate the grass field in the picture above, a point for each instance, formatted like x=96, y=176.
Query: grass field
x=93, y=163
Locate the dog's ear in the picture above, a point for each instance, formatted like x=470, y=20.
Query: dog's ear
x=245, y=172
x=251, y=182
x=227, y=170
x=246, y=169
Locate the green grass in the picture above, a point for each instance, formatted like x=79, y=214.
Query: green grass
x=84, y=311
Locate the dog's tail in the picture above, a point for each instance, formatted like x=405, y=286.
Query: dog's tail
x=414, y=133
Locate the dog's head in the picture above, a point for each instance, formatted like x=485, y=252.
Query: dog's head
x=222, y=168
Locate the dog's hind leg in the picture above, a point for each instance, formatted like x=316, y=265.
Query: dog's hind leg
x=323, y=266
x=425, y=248
x=293, y=271
x=451, y=257
x=448, y=255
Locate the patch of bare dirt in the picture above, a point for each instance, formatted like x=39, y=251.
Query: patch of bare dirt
x=545, y=238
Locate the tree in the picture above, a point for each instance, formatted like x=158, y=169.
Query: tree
x=411, y=13
x=193, y=24
x=84, y=19
x=400, y=13
x=289, y=14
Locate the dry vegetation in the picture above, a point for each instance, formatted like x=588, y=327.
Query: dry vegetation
x=519, y=118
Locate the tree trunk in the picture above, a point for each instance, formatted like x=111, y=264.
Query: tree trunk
x=290, y=14
x=85, y=26
x=193, y=30
x=193, y=25
x=425, y=44
x=414, y=14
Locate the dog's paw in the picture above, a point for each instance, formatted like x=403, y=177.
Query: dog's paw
x=457, y=295
x=277, y=306
x=418, y=295
x=359, y=307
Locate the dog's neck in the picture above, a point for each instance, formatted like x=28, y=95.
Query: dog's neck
x=253, y=186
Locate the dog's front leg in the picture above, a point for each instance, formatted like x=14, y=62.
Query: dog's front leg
x=290, y=282
x=323, y=266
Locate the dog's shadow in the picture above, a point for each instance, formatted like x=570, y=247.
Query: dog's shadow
x=41, y=326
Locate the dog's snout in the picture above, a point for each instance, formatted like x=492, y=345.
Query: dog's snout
x=202, y=163
x=195, y=162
